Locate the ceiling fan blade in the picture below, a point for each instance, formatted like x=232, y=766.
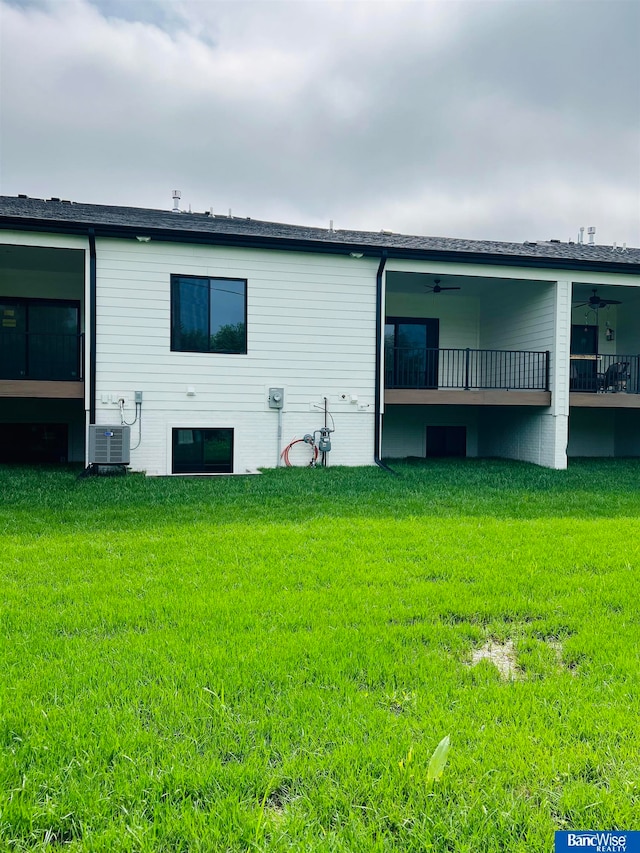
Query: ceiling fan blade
x=450, y=288
x=610, y=302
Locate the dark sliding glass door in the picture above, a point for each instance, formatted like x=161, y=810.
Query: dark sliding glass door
x=411, y=352
x=39, y=339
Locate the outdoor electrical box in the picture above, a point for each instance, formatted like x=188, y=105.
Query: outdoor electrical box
x=138, y=397
x=109, y=445
x=276, y=398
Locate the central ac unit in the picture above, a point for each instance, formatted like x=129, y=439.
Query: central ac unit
x=109, y=445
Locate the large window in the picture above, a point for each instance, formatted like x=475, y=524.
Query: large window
x=208, y=314
x=202, y=451
x=39, y=339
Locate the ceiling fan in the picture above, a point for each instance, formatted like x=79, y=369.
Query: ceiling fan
x=435, y=287
x=594, y=302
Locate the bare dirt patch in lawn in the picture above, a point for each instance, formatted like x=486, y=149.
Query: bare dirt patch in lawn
x=501, y=655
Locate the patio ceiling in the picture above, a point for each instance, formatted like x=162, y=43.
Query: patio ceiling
x=474, y=286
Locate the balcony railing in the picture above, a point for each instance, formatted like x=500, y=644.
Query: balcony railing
x=41, y=356
x=467, y=369
x=605, y=374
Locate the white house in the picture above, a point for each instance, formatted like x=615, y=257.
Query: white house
x=182, y=324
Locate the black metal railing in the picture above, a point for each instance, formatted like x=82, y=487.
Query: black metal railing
x=41, y=356
x=605, y=374
x=508, y=370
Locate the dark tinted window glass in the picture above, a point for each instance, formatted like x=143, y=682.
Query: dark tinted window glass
x=13, y=340
x=39, y=339
x=227, y=315
x=190, y=314
x=53, y=341
x=208, y=315
x=202, y=451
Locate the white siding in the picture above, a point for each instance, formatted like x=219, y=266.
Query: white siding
x=310, y=329
x=458, y=315
x=520, y=316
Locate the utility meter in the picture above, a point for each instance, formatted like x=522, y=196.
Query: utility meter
x=276, y=398
x=324, y=444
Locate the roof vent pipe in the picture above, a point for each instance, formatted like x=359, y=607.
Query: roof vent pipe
x=176, y=201
x=591, y=231
x=581, y=234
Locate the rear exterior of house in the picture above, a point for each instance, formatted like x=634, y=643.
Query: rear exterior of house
x=182, y=325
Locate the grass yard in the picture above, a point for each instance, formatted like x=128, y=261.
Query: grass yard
x=268, y=663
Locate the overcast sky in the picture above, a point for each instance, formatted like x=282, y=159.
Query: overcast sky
x=501, y=120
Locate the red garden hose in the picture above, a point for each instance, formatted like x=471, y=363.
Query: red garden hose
x=285, y=453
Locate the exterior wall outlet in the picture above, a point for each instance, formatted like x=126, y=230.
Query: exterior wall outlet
x=138, y=397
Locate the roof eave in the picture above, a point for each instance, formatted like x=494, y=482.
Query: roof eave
x=253, y=241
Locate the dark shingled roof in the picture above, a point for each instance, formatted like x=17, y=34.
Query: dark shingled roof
x=71, y=217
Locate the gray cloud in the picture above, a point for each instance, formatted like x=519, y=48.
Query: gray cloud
x=495, y=120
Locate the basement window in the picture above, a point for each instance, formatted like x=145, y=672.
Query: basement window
x=202, y=451
x=208, y=314
x=446, y=441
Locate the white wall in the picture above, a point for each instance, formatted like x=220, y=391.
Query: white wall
x=604, y=432
x=310, y=329
x=528, y=434
x=520, y=316
x=404, y=428
x=591, y=432
x=457, y=313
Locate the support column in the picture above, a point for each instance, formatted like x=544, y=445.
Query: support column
x=560, y=364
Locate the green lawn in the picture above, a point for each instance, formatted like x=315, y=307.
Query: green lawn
x=268, y=663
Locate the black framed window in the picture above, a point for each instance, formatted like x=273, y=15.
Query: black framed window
x=208, y=314
x=39, y=339
x=202, y=451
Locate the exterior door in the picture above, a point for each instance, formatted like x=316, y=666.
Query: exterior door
x=411, y=352
x=584, y=366
x=39, y=339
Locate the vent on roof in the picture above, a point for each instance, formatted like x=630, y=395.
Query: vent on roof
x=22, y=195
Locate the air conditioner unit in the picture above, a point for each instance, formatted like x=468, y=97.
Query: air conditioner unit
x=109, y=445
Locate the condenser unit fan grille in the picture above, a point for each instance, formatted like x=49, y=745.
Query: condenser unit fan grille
x=109, y=445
